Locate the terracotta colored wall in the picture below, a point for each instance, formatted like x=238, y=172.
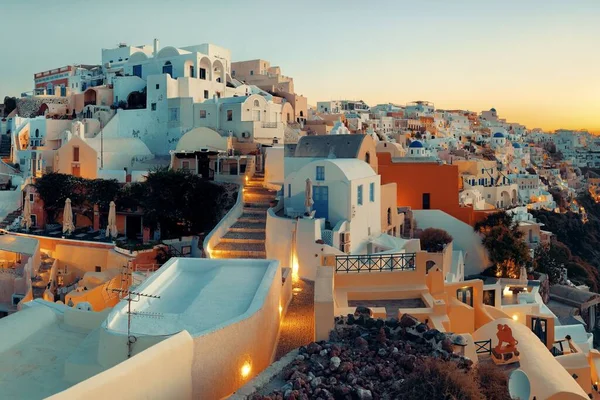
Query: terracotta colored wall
x=440, y=181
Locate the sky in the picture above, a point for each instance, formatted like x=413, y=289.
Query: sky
x=535, y=61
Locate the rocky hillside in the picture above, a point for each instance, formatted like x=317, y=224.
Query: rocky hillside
x=376, y=359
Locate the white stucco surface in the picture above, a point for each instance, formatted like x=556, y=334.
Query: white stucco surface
x=36, y=344
x=194, y=296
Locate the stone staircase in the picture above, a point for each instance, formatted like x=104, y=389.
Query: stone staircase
x=246, y=237
x=5, y=146
x=9, y=219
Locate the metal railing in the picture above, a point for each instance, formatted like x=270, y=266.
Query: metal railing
x=376, y=262
x=269, y=124
x=483, y=346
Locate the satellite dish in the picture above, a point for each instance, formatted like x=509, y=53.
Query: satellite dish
x=518, y=385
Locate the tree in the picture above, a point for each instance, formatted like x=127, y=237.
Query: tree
x=10, y=103
x=54, y=189
x=550, y=259
x=504, y=242
x=434, y=240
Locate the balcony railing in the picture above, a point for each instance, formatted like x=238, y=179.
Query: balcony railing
x=376, y=262
x=269, y=124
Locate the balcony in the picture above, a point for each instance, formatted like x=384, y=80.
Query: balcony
x=269, y=125
x=375, y=263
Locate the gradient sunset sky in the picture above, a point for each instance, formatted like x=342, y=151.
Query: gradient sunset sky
x=536, y=62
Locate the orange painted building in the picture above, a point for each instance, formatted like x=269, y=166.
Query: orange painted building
x=427, y=185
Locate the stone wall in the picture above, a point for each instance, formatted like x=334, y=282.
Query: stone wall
x=27, y=107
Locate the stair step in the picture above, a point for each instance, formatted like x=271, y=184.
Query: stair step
x=243, y=237
x=255, y=211
x=239, y=250
x=241, y=226
x=253, y=218
x=264, y=205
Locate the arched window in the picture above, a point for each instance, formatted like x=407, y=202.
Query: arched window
x=37, y=133
x=168, y=68
x=256, y=103
x=429, y=264
x=368, y=158
x=302, y=113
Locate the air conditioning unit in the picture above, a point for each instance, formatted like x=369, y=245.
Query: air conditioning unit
x=346, y=248
x=245, y=134
x=345, y=237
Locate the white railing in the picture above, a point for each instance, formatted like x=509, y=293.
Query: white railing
x=214, y=237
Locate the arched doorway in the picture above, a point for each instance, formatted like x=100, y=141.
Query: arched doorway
x=89, y=97
x=168, y=68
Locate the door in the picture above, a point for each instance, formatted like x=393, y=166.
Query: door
x=426, y=201
x=538, y=327
x=321, y=201
x=76, y=170
x=137, y=70
x=133, y=227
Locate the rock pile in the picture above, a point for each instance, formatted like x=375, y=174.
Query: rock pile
x=365, y=359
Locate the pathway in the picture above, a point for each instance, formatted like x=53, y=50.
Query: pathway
x=246, y=239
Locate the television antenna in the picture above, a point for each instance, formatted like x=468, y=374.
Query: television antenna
x=133, y=296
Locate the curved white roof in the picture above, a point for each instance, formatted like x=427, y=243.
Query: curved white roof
x=131, y=146
x=202, y=138
x=352, y=168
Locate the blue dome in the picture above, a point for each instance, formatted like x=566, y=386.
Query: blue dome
x=498, y=135
x=516, y=145
x=492, y=109
x=416, y=145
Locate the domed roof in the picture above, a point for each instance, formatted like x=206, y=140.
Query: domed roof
x=498, y=135
x=492, y=109
x=416, y=145
x=516, y=145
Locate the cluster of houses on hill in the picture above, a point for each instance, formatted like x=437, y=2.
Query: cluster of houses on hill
x=333, y=200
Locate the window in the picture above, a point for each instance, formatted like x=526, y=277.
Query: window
x=256, y=103
x=359, y=199
x=232, y=73
x=320, y=173
x=372, y=192
x=289, y=190
x=465, y=295
x=75, y=154
x=185, y=165
x=168, y=69
x=31, y=197
x=173, y=114
x=98, y=268
x=206, y=94
x=202, y=73
x=157, y=86
x=202, y=113
x=389, y=216
x=229, y=115
x=251, y=72
x=153, y=106
x=426, y=201
x=368, y=158
x=192, y=71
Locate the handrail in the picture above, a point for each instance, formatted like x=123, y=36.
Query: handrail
x=483, y=346
x=375, y=262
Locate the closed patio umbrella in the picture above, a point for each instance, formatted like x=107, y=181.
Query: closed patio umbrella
x=68, y=226
x=111, y=228
x=308, y=200
x=26, y=219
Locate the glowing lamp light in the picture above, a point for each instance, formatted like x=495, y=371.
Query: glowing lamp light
x=515, y=317
x=280, y=310
x=246, y=368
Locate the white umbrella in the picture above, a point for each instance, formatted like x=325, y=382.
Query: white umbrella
x=523, y=274
x=26, y=220
x=308, y=200
x=68, y=226
x=111, y=228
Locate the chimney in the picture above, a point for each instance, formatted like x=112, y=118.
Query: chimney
x=156, y=44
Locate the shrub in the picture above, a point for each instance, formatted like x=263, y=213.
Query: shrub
x=434, y=240
x=438, y=379
x=493, y=382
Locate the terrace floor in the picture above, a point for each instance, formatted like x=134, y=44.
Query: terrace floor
x=391, y=306
x=79, y=234
x=298, y=325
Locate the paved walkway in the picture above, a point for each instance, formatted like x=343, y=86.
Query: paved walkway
x=298, y=325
